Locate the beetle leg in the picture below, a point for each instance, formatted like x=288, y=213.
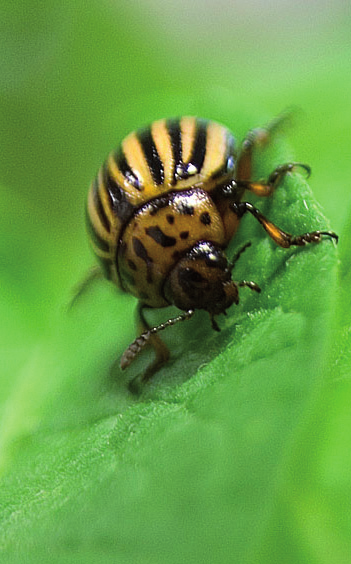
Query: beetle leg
x=257, y=138
x=149, y=336
x=214, y=323
x=280, y=237
x=95, y=273
x=264, y=189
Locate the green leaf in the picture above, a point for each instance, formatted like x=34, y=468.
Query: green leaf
x=192, y=468
x=238, y=450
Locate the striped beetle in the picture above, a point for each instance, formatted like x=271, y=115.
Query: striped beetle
x=164, y=207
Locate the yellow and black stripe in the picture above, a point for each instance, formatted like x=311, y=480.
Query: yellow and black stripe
x=168, y=156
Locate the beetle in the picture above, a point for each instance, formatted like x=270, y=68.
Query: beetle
x=164, y=207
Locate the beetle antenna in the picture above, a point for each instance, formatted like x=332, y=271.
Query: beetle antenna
x=238, y=255
x=250, y=284
x=139, y=343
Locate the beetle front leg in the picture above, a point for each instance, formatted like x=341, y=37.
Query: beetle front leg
x=266, y=188
x=93, y=274
x=282, y=238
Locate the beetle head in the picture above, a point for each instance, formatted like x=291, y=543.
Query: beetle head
x=202, y=280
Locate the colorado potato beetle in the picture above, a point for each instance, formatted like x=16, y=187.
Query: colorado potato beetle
x=164, y=207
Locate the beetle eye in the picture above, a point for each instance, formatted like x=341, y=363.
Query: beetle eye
x=216, y=260
x=190, y=276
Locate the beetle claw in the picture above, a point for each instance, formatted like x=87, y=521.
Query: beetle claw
x=304, y=166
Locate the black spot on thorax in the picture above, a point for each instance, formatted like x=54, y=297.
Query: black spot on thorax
x=170, y=219
x=142, y=253
x=205, y=218
x=160, y=237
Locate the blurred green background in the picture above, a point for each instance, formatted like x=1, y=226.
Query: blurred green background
x=239, y=468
